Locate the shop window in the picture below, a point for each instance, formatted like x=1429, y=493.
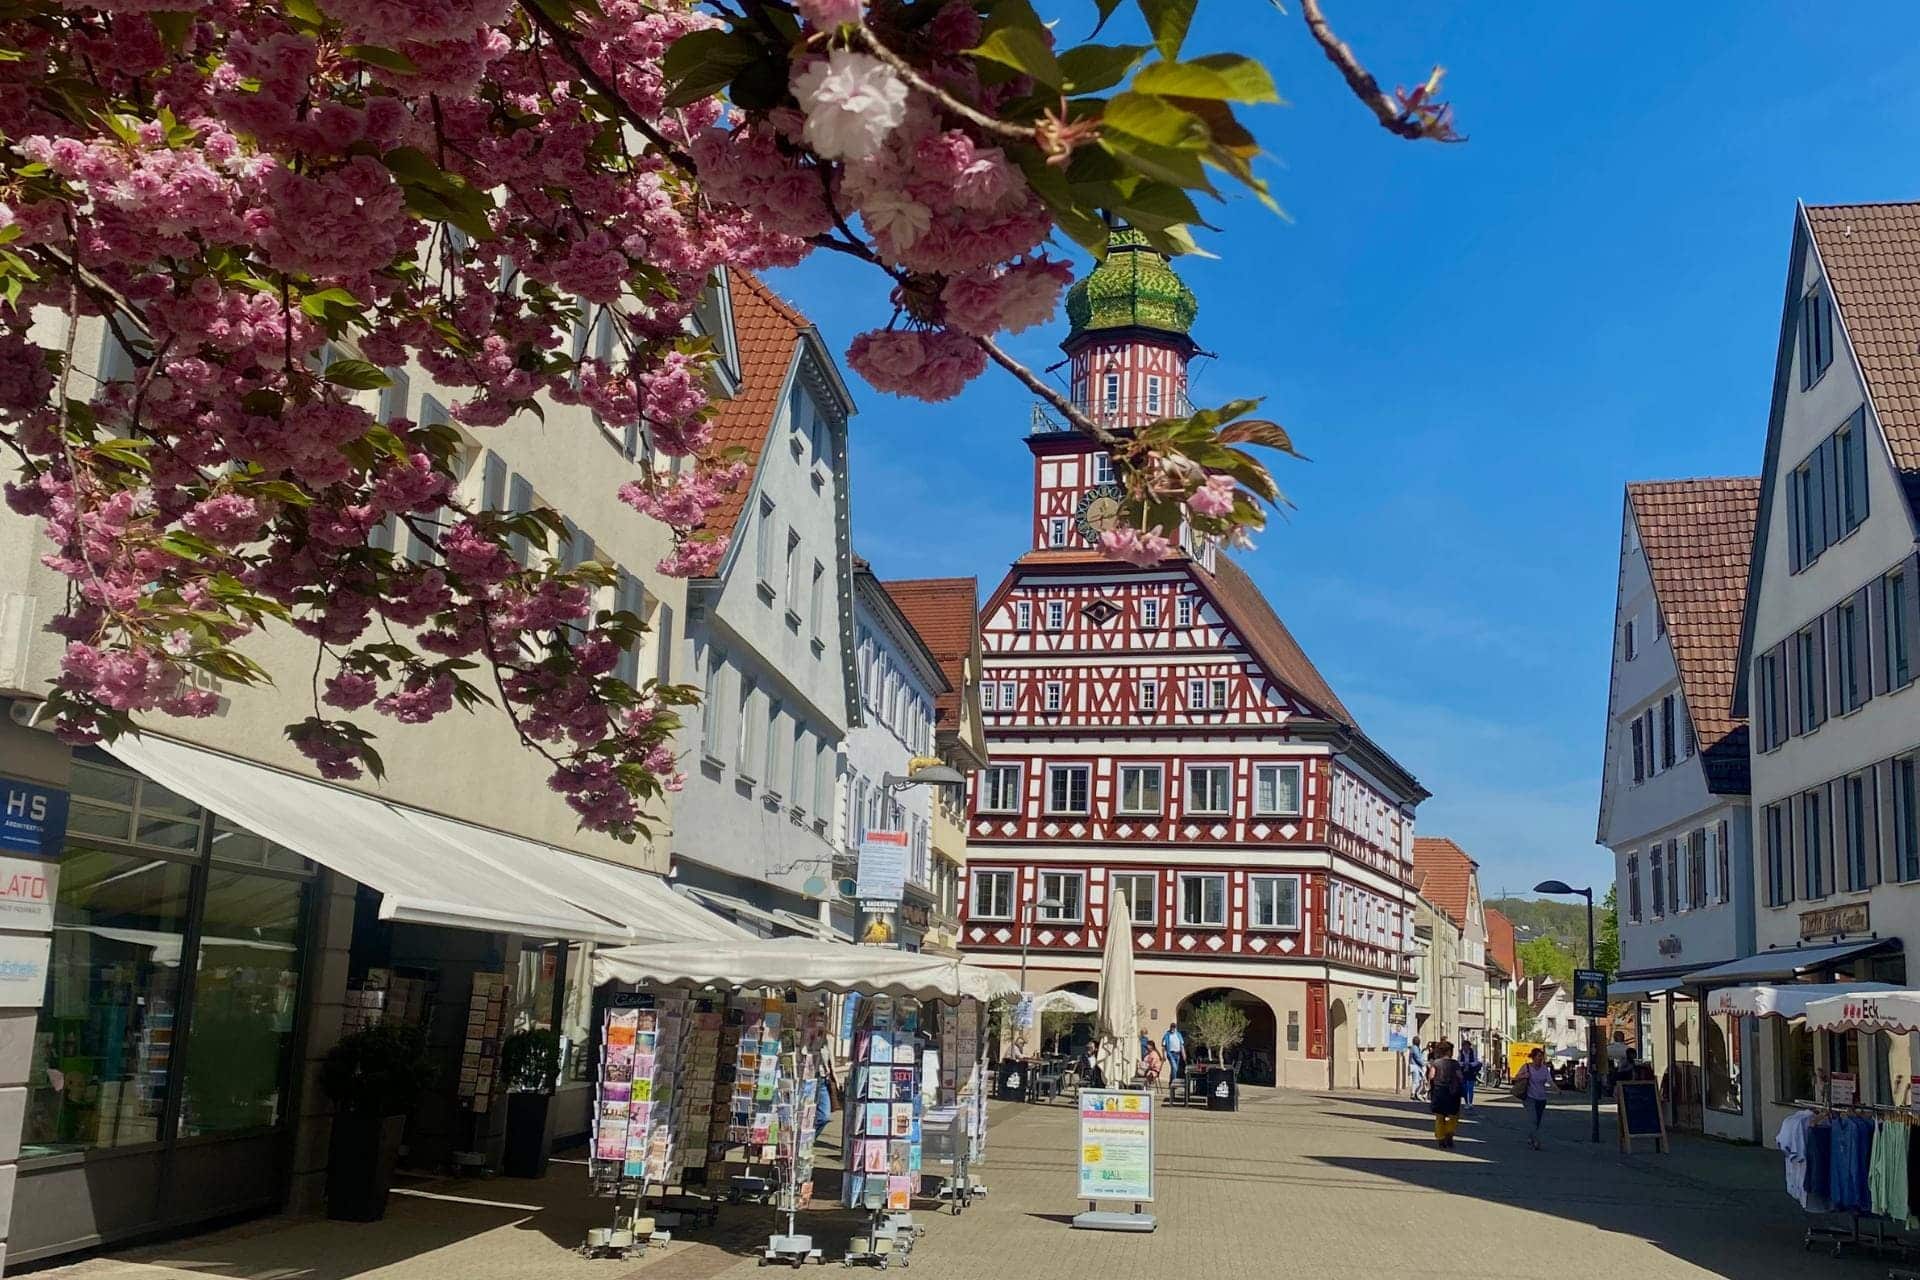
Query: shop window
x=246, y=992
x=102, y=1051
x=1725, y=1068
x=1793, y=1059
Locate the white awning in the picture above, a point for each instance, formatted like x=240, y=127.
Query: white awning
x=1894, y=1011
x=1633, y=990
x=426, y=872
x=638, y=899
x=1788, y=1000
x=787, y=922
x=805, y=963
x=1065, y=1002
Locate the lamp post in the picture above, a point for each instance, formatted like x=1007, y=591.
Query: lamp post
x=1593, y=1026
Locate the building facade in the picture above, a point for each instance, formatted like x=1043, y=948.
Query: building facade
x=1504, y=972
x=1436, y=1001
x=1828, y=643
x=946, y=614
x=1450, y=879
x=770, y=637
x=1156, y=734
x=221, y=916
x=1673, y=801
x=899, y=681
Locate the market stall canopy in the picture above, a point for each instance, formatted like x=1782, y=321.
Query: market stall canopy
x=1633, y=989
x=1786, y=963
x=1896, y=1011
x=785, y=923
x=1064, y=1002
x=1788, y=1000
x=428, y=870
x=812, y=964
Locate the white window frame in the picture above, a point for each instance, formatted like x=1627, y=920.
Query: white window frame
x=1056, y=615
x=982, y=875
x=986, y=804
x=1183, y=614
x=1253, y=898
x=1060, y=879
x=1180, y=899
x=1153, y=393
x=1128, y=880
x=1086, y=770
x=1057, y=531
x=1149, y=695
x=1055, y=697
x=1217, y=694
x=1023, y=615
x=1196, y=694
x=1009, y=695
x=1187, y=791
x=1110, y=391
x=1150, y=613
x=763, y=544
x=1160, y=789
x=1299, y=789
x=1103, y=468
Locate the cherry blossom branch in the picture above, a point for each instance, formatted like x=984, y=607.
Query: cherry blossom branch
x=972, y=115
x=563, y=41
x=1032, y=382
x=1411, y=116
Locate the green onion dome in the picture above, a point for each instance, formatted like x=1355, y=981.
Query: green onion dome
x=1134, y=288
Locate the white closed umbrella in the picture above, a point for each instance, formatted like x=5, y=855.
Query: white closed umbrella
x=1117, y=1022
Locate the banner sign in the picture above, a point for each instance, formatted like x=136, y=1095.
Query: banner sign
x=23, y=971
x=1843, y=1089
x=1397, y=1012
x=882, y=875
x=1116, y=1144
x=1589, y=993
x=33, y=818
x=27, y=890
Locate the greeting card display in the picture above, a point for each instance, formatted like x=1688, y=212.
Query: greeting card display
x=480, y=1052
x=884, y=1128
x=754, y=1120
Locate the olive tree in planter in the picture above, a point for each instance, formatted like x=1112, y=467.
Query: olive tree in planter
x=374, y=1077
x=529, y=1067
x=1218, y=1026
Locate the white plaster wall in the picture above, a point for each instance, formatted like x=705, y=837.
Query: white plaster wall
x=1710, y=935
x=466, y=765
x=892, y=730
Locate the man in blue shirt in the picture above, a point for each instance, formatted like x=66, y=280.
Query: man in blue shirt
x=1416, y=1069
x=1174, y=1045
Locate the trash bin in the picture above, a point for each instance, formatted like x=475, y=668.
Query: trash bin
x=1011, y=1082
x=1223, y=1090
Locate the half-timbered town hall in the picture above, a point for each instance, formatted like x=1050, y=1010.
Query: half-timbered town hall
x=1158, y=734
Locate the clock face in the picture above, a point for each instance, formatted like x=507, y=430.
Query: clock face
x=1099, y=510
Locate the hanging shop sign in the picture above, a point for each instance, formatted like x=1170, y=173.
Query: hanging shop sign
x=1843, y=1089
x=1589, y=993
x=882, y=876
x=1116, y=1145
x=27, y=891
x=1397, y=1011
x=1835, y=922
x=33, y=818
x=23, y=971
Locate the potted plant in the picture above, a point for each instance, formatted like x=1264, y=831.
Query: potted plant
x=529, y=1067
x=1219, y=1026
x=374, y=1077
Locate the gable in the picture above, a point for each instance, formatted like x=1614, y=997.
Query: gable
x=1445, y=876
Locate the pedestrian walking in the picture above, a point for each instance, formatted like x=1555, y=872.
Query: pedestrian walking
x=1174, y=1045
x=1416, y=1069
x=1469, y=1070
x=1531, y=1084
x=1446, y=1085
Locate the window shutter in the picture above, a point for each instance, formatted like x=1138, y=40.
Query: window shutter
x=1870, y=817
x=1795, y=560
x=1861, y=644
x=1726, y=863
x=1843, y=829
x=1857, y=465
x=1830, y=835
x=1883, y=821
x=1779, y=688
x=493, y=483
x=1822, y=670
x=1912, y=575
x=1796, y=723
x=1829, y=455
x=1876, y=616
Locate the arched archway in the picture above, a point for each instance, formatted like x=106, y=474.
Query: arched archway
x=1255, y=1057
x=1340, y=1063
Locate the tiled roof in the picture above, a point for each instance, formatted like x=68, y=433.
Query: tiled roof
x=1871, y=253
x=765, y=329
x=1445, y=872
x=946, y=613
x=1698, y=538
x=1500, y=944
x=1249, y=613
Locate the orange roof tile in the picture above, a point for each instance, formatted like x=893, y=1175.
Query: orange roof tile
x=1501, y=948
x=946, y=613
x=1871, y=253
x=1447, y=872
x=765, y=329
x=1698, y=539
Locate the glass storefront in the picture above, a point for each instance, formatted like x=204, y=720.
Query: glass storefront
x=175, y=973
x=1724, y=1062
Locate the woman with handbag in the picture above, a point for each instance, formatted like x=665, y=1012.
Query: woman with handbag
x=1531, y=1084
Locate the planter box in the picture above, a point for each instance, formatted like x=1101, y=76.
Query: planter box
x=360, y=1162
x=527, y=1150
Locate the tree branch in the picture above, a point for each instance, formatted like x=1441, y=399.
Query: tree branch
x=1031, y=381
x=563, y=42
x=996, y=127
x=1403, y=117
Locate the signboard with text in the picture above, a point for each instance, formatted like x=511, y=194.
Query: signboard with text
x=1843, y=1089
x=1836, y=922
x=1116, y=1145
x=23, y=971
x=1589, y=993
x=882, y=876
x=33, y=818
x=27, y=891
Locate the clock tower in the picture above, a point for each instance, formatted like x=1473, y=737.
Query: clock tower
x=1127, y=354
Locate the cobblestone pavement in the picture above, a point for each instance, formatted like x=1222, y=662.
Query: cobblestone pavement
x=1292, y=1184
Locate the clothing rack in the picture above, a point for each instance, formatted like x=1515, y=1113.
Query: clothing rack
x=1837, y=1239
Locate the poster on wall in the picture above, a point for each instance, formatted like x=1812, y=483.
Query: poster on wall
x=23, y=971
x=882, y=875
x=1116, y=1145
x=1843, y=1089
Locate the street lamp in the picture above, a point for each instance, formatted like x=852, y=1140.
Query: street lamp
x=1593, y=1027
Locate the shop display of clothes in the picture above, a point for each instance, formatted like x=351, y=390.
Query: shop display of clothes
x=1856, y=1164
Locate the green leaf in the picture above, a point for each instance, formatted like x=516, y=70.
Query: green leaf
x=1024, y=50
x=305, y=10
x=357, y=375
x=173, y=27
x=702, y=63
x=1261, y=432
x=1107, y=9
x=1227, y=77
x=1168, y=20
x=386, y=59
x=1154, y=120
x=1090, y=68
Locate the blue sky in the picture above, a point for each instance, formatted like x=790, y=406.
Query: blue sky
x=1477, y=346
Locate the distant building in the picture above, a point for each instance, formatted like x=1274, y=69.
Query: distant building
x=1555, y=1024
x=1673, y=798
x=1450, y=879
x=1504, y=972
x=1436, y=960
